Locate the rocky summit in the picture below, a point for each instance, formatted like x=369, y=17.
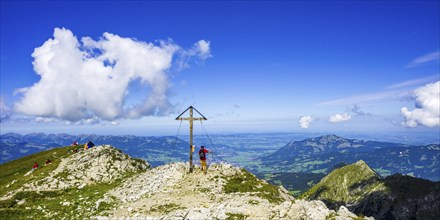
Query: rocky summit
x=104, y=183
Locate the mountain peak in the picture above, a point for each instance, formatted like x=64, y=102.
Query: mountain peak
x=103, y=182
x=100, y=164
x=335, y=185
x=329, y=138
x=361, y=163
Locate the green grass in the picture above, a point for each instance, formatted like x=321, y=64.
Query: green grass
x=167, y=208
x=82, y=202
x=253, y=202
x=344, y=185
x=235, y=216
x=332, y=216
x=246, y=182
x=295, y=193
x=16, y=169
x=71, y=203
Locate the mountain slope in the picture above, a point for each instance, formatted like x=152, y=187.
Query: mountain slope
x=69, y=187
x=102, y=182
x=364, y=192
x=346, y=185
x=318, y=154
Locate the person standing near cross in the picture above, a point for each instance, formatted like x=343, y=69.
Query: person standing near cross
x=202, y=155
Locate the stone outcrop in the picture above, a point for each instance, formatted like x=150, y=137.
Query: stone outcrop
x=98, y=164
x=170, y=192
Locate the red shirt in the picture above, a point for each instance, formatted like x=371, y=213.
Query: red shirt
x=204, y=150
x=35, y=165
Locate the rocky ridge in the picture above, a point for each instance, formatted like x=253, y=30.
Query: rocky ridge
x=100, y=164
x=170, y=192
x=103, y=183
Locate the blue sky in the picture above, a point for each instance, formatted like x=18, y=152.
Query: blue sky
x=301, y=66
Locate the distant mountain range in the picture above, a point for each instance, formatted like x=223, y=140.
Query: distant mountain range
x=156, y=150
x=312, y=155
x=321, y=154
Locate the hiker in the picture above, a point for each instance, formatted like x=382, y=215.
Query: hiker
x=48, y=162
x=88, y=145
x=202, y=155
x=35, y=166
x=91, y=144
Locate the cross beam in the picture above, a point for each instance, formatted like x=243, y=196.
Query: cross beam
x=191, y=119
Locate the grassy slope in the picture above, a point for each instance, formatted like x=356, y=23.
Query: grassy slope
x=70, y=203
x=247, y=182
x=16, y=169
x=347, y=184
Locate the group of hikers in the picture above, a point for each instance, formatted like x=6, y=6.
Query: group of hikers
x=87, y=145
x=35, y=166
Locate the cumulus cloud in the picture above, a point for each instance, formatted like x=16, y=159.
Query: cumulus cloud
x=433, y=57
x=427, y=103
x=305, y=121
x=88, y=80
x=202, y=49
x=5, y=111
x=339, y=117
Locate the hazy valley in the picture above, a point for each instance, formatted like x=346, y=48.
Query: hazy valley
x=296, y=161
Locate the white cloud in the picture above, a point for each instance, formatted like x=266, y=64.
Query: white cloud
x=202, y=49
x=418, y=81
x=88, y=81
x=339, y=118
x=427, y=111
x=433, y=57
x=367, y=98
x=305, y=121
x=5, y=111
x=400, y=91
x=45, y=120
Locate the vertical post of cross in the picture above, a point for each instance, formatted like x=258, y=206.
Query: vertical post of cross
x=191, y=139
x=191, y=119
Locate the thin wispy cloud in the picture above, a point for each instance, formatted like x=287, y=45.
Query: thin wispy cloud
x=367, y=98
x=357, y=111
x=433, y=57
x=5, y=111
x=414, y=82
x=394, y=92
